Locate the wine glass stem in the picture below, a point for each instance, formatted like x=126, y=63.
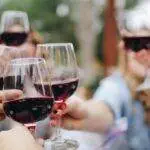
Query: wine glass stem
x=31, y=128
x=58, y=130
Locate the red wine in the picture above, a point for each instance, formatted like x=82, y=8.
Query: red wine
x=43, y=89
x=61, y=89
x=1, y=83
x=13, y=38
x=64, y=89
x=13, y=82
x=29, y=110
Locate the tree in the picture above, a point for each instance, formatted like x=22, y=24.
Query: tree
x=43, y=17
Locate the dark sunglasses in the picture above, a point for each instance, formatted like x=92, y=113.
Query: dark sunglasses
x=13, y=39
x=136, y=44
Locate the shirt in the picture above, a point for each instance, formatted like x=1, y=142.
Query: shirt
x=114, y=92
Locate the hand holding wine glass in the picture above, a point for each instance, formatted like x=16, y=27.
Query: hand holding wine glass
x=60, y=57
x=30, y=75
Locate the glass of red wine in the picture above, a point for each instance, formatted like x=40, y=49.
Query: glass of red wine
x=14, y=28
x=8, y=53
x=31, y=76
x=61, y=59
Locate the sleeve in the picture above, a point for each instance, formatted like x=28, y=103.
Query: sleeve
x=110, y=94
x=43, y=129
x=7, y=124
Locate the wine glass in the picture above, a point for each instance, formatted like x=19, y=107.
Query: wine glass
x=14, y=28
x=8, y=53
x=30, y=75
x=61, y=59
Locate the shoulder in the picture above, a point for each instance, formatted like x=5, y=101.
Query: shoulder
x=113, y=84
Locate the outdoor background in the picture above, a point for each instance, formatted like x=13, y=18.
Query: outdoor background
x=78, y=21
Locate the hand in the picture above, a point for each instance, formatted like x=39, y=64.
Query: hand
x=73, y=115
x=90, y=115
x=9, y=95
x=18, y=138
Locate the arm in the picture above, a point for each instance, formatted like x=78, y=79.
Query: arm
x=85, y=115
x=98, y=114
x=18, y=138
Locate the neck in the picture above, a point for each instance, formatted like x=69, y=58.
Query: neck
x=133, y=82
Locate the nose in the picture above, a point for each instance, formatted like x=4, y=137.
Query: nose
x=143, y=56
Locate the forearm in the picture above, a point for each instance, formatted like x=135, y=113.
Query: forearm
x=17, y=146
x=18, y=138
x=99, y=116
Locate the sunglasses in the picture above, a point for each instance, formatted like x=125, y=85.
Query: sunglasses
x=13, y=39
x=136, y=44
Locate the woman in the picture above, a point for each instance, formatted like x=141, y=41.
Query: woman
x=116, y=97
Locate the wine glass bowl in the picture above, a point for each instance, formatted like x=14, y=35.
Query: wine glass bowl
x=61, y=60
x=62, y=64
x=24, y=74
x=14, y=28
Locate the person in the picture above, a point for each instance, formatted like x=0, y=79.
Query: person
x=9, y=50
x=144, y=96
x=19, y=33
x=116, y=97
x=18, y=137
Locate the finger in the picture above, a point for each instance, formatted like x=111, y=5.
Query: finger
x=54, y=123
x=58, y=108
x=1, y=108
x=54, y=116
x=10, y=94
x=60, y=105
x=40, y=141
x=2, y=114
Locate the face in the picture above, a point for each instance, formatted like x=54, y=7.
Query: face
x=137, y=47
x=25, y=45
x=28, y=47
x=138, y=63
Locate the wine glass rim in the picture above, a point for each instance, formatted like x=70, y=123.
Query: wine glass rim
x=27, y=61
x=54, y=44
x=14, y=11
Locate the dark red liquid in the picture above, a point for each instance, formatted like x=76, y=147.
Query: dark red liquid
x=13, y=82
x=63, y=90
x=29, y=110
x=44, y=89
x=13, y=38
x=1, y=83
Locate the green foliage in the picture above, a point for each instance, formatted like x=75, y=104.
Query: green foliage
x=99, y=43
x=43, y=17
x=130, y=4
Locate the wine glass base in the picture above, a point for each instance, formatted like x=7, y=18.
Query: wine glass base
x=68, y=144
x=58, y=145
x=72, y=144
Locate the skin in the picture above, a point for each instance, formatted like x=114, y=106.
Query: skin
x=27, y=45
x=7, y=95
x=97, y=116
x=19, y=137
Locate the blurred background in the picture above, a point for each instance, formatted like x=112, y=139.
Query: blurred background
x=88, y=24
